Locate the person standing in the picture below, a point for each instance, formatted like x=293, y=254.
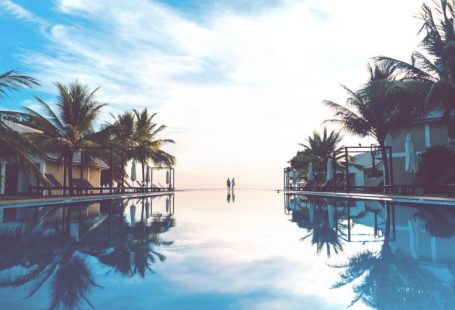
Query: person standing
x=233, y=183
x=228, y=183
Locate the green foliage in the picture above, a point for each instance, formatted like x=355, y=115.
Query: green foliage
x=433, y=66
x=67, y=127
x=13, y=144
x=435, y=161
x=382, y=106
x=318, y=149
x=137, y=133
x=13, y=80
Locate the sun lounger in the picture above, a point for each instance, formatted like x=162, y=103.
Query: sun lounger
x=53, y=180
x=81, y=185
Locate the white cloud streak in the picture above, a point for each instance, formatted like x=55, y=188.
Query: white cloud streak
x=245, y=88
x=20, y=13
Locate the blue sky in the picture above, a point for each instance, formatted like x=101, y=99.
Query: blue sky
x=234, y=80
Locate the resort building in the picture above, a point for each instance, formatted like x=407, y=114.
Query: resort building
x=14, y=179
x=426, y=132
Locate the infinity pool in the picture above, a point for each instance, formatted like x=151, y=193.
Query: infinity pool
x=214, y=250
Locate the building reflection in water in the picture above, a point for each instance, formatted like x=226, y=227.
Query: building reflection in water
x=415, y=265
x=51, y=245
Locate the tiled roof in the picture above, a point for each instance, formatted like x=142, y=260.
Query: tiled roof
x=95, y=162
x=22, y=129
x=19, y=128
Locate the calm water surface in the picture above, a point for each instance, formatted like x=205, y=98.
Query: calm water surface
x=214, y=250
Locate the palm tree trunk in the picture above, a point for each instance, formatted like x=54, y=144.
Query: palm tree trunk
x=143, y=173
x=64, y=173
x=386, y=245
x=385, y=163
x=70, y=172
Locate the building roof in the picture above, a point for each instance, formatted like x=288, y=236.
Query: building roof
x=364, y=160
x=19, y=128
x=434, y=115
x=95, y=162
x=23, y=129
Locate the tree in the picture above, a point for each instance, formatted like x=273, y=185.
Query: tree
x=13, y=80
x=147, y=144
x=137, y=134
x=434, y=64
x=383, y=106
x=71, y=127
x=13, y=144
x=318, y=149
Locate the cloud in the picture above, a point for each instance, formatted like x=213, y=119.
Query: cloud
x=20, y=13
x=247, y=83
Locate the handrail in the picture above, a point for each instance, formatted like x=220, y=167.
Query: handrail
x=97, y=190
x=448, y=189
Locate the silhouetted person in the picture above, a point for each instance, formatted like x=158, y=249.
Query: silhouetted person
x=233, y=183
x=228, y=183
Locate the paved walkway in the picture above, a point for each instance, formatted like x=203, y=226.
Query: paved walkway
x=415, y=199
x=53, y=200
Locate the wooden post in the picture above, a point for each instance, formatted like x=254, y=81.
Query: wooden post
x=334, y=167
x=151, y=178
x=373, y=160
x=346, y=168
x=123, y=170
x=64, y=174
x=82, y=163
x=390, y=166
x=111, y=161
x=349, y=223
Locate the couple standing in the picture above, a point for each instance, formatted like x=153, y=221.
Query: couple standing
x=230, y=184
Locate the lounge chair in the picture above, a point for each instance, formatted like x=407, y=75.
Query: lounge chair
x=81, y=185
x=50, y=183
x=55, y=183
x=53, y=180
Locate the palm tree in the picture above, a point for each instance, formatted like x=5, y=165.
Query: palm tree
x=13, y=80
x=147, y=145
x=318, y=149
x=383, y=106
x=434, y=65
x=70, y=128
x=136, y=133
x=120, y=135
x=13, y=144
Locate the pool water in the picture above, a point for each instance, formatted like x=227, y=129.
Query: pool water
x=220, y=250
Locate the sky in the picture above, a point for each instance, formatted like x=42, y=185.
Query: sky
x=239, y=83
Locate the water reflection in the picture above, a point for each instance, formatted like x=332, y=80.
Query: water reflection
x=230, y=195
x=413, y=269
x=44, y=245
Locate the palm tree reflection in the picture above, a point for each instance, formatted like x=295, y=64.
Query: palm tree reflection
x=319, y=219
x=49, y=251
x=391, y=280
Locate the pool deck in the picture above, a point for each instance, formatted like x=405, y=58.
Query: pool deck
x=415, y=199
x=55, y=200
